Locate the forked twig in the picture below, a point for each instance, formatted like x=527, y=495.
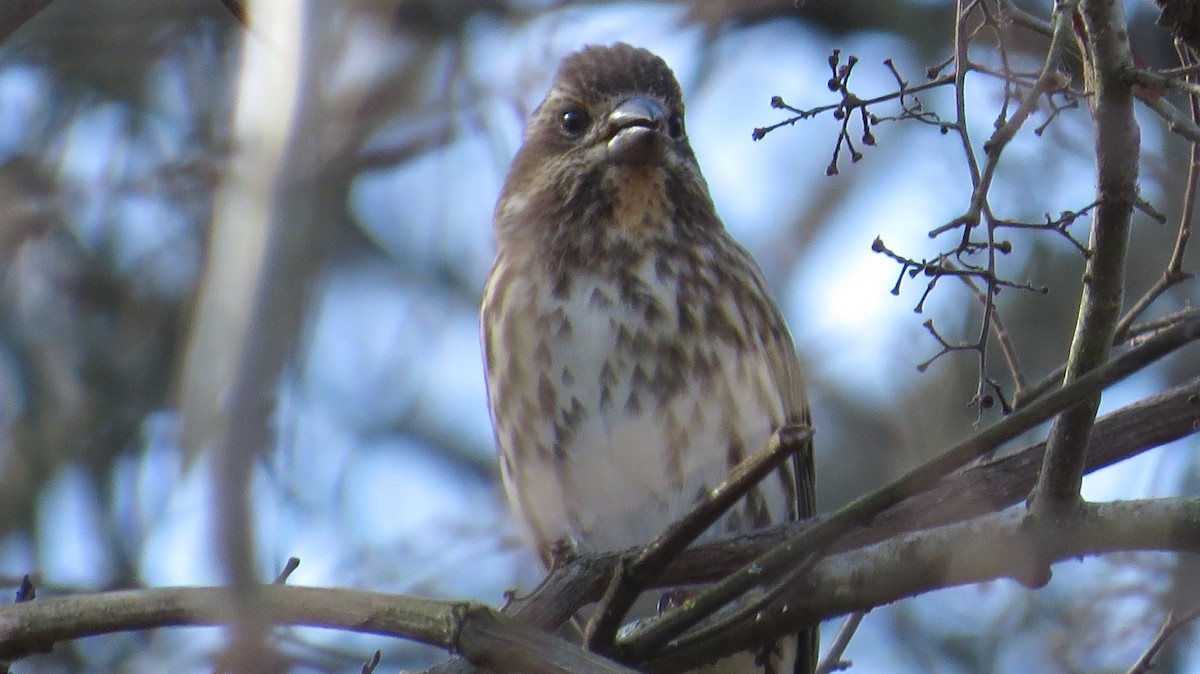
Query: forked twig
x=633, y=576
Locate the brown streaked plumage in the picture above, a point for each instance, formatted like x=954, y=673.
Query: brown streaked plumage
x=634, y=355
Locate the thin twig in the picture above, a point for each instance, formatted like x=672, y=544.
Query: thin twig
x=1181, y=71
x=1150, y=78
x=798, y=114
x=961, y=66
x=631, y=578
x=1176, y=122
x=370, y=665
x=292, y=564
x=1154, y=325
x=1058, y=225
x=1048, y=80
x=832, y=661
x=1170, y=625
x=1026, y=20
x=961, y=44
x=1005, y=342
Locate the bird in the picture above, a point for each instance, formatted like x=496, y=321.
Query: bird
x=633, y=352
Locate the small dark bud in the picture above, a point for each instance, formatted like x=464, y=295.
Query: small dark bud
x=777, y=102
x=833, y=84
x=877, y=245
x=27, y=591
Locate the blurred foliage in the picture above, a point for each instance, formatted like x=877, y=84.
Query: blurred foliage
x=89, y=334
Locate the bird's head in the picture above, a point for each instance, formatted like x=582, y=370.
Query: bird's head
x=607, y=150
x=616, y=105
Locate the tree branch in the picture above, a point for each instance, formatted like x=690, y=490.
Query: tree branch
x=976, y=491
x=1117, y=143
x=483, y=635
x=1177, y=123
x=982, y=489
x=778, y=562
x=996, y=546
x=872, y=575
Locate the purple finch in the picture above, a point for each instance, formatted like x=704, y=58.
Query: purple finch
x=634, y=354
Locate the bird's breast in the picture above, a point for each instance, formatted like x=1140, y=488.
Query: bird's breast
x=624, y=409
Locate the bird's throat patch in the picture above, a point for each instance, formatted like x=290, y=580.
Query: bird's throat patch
x=640, y=200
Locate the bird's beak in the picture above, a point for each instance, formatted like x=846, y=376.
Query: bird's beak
x=638, y=127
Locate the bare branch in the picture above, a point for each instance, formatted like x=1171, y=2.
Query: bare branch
x=1173, y=274
x=1176, y=122
x=996, y=546
x=1058, y=225
x=1117, y=143
x=851, y=103
x=868, y=576
x=974, y=492
x=484, y=636
x=781, y=560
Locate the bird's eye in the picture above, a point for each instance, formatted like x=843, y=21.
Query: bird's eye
x=675, y=126
x=574, y=121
